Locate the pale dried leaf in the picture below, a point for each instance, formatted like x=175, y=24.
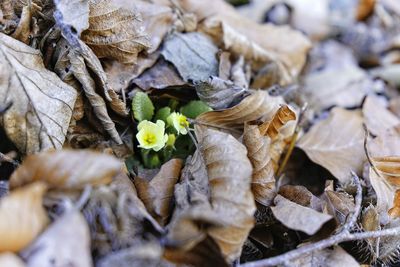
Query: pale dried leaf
x=117, y=104
x=78, y=67
x=341, y=204
x=8, y=259
x=328, y=258
x=73, y=14
x=297, y=217
x=157, y=193
x=336, y=143
x=377, y=117
x=42, y=103
x=66, y=169
x=258, y=105
x=65, y=242
x=229, y=175
x=115, y=32
x=22, y=217
x=23, y=29
x=224, y=69
x=219, y=93
x=289, y=47
x=193, y=55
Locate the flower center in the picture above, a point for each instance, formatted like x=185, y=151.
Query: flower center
x=183, y=122
x=149, y=138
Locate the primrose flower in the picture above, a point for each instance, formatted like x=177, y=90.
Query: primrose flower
x=179, y=122
x=151, y=135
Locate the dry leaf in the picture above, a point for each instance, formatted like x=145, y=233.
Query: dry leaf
x=66, y=169
x=9, y=259
x=157, y=193
x=23, y=29
x=297, y=217
x=79, y=70
x=22, y=217
x=341, y=204
x=286, y=45
x=73, y=14
x=377, y=117
x=161, y=75
x=258, y=105
x=219, y=93
x=336, y=143
x=327, y=258
x=225, y=65
x=42, y=103
x=229, y=174
x=114, y=32
x=65, y=242
x=193, y=55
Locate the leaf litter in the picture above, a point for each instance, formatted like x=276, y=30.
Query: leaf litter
x=199, y=133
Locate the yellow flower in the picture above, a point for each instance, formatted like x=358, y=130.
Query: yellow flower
x=179, y=122
x=152, y=135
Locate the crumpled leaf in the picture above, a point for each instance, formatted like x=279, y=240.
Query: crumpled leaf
x=297, y=217
x=193, y=55
x=73, y=14
x=336, y=143
x=22, y=217
x=219, y=202
x=66, y=169
x=377, y=117
x=78, y=67
x=340, y=204
x=287, y=46
x=66, y=241
x=10, y=260
x=157, y=193
x=258, y=105
x=265, y=148
x=219, y=93
x=42, y=103
x=114, y=32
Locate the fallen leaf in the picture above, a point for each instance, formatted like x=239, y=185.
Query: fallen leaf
x=225, y=65
x=65, y=242
x=241, y=73
x=219, y=93
x=78, y=67
x=73, y=14
x=23, y=29
x=336, y=143
x=193, y=55
x=23, y=217
x=340, y=205
x=10, y=260
x=66, y=169
x=161, y=75
x=377, y=117
x=327, y=257
x=42, y=103
x=297, y=217
x=258, y=105
x=157, y=193
x=115, y=32
x=292, y=54
x=298, y=194
x=229, y=174
x=364, y=9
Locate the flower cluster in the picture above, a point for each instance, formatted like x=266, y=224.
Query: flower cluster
x=152, y=135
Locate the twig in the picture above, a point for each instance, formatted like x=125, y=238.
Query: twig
x=342, y=236
x=84, y=197
x=358, y=199
x=336, y=239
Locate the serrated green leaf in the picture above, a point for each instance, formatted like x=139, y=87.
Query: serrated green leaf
x=162, y=114
x=194, y=108
x=142, y=107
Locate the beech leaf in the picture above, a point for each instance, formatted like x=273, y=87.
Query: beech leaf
x=115, y=32
x=73, y=14
x=42, y=103
x=66, y=169
x=336, y=143
x=22, y=217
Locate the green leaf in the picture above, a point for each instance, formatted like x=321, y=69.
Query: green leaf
x=162, y=114
x=194, y=108
x=142, y=107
